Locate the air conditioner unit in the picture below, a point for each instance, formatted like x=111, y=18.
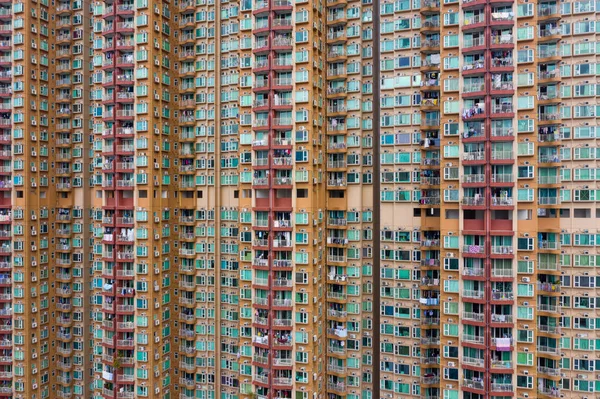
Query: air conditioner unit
x=35, y=386
x=156, y=254
x=156, y=271
x=156, y=219
x=34, y=325
x=156, y=165
x=34, y=371
x=33, y=169
x=33, y=122
x=34, y=310
x=156, y=322
x=156, y=131
x=33, y=217
x=526, y=279
x=33, y=340
x=33, y=263
x=34, y=248
x=156, y=339
x=33, y=184
x=33, y=153
x=34, y=278
x=156, y=236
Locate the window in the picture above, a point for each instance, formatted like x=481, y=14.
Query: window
x=525, y=244
x=301, y=36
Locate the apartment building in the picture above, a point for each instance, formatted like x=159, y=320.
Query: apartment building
x=281, y=199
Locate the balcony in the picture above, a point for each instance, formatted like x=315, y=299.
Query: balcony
x=501, y=39
x=551, y=371
x=430, y=360
x=501, y=155
x=502, y=249
x=473, y=383
x=474, y=294
x=505, y=108
x=473, y=361
x=334, y=368
x=474, y=156
x=501, y=318
x=337, y=349
x=549, y=158
x=550, y=391
x=548, y=287
x=470, y=42
x=551, y=350
x=281, y=282
x=548, y=245
x=549, y=138
x=336, y=295
x=434, y=379
x=473, y=339
x=473, y=178
x=545, y=307
x=336, y=386
x=341, y=182
x=502, y=387
x=473, y=249
x=550, y=266
x=498, y=272
x=430, y=243
x=548, y=180
x=430, y=341
x=545, y=117
x=430, y=321
x=502, y=296
x=471, y=271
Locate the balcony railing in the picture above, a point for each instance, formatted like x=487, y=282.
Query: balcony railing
x=502, y=155
x=473, y=42
x=473, y=249
x=548, y=287
x=498, y=272
x=473, y=87
x=548, y=180
x=474, y=156
x=502, y=387
x=473, y=383
x=474, y=178
x=502, y=296
x=548, y=349
x=473, y=361
x=502, y=318
x=545, y=307
x=475, y=294
x=552, y=371
x=549, y=116
x=473, y=339
x=502, y=249
x=471, y=271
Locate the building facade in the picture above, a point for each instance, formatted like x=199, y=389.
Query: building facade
x=279, y=199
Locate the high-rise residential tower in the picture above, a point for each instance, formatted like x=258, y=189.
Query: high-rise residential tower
x=277, y=199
